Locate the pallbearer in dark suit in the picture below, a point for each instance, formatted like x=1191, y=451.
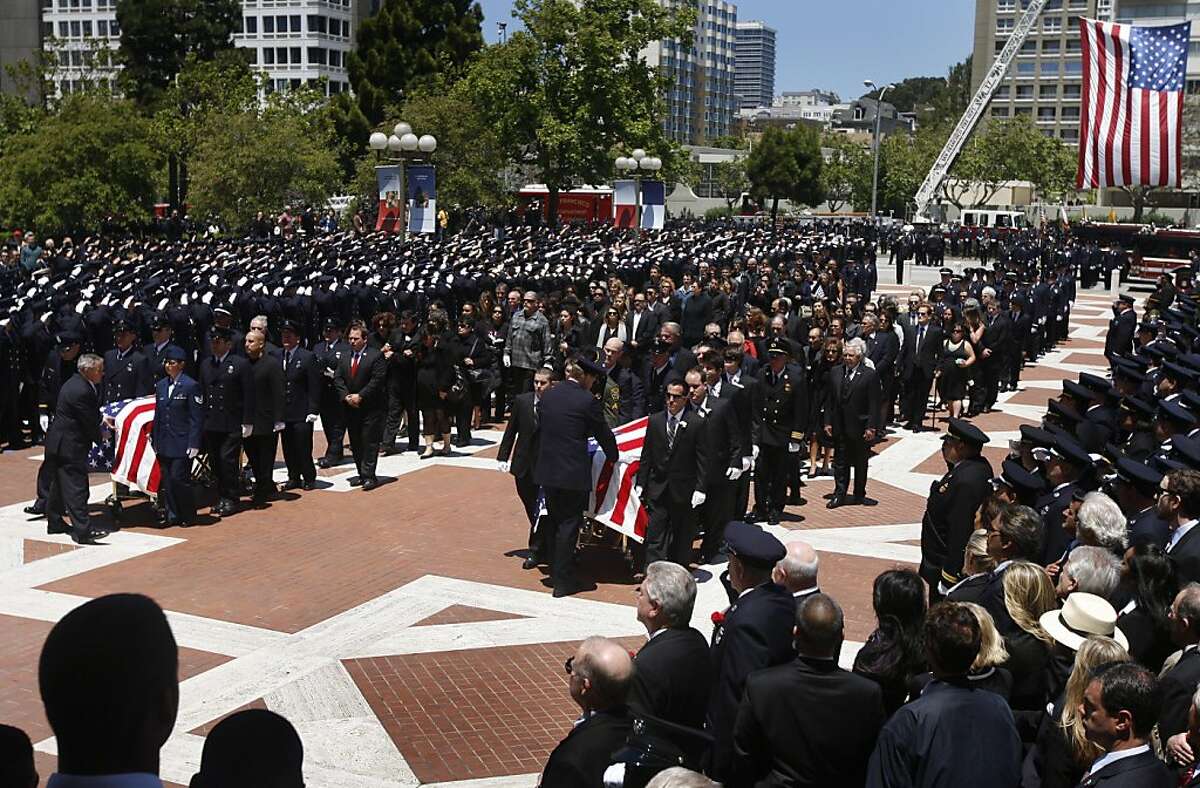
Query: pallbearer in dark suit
x=726, y=456
x=127, y=373
x=780, y=421
x=569, y=416
x=852, y=420
x=228, y=415
x=1119, y=339
x=361, y=385
x=301, y=404
x=672, y=476
x=267, y=374
x=518, y=456
x=76, y=426
x=178, y=428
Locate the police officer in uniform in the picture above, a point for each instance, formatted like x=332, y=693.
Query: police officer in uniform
x=60, y=365
x=164, y=340
x=949, y=516
x=1066, y=466
x=301, y=405
x=178, y=429
x=780, y=422
x=127, y=373
x=228, y=415
x=329, y=355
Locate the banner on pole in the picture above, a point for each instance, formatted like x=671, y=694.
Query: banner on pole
x=654, y=204
x=390, y=204
x=422, y=199
x=625, y=203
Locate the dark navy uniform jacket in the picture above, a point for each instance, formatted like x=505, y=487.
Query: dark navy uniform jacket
x=228, y=393
x=301, y=385
x=126, y=377
x=178, y=416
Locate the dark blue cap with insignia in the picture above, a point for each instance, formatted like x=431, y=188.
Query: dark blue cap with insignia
x=591, y=367
x=122, y=326
x=1073, y=389
x=1063, y=412
x=779, y=345
x=966, y=432
x=332, y=322
x=66, y=339
x=1095, y=383
x=1138, y=474
x=1068, y=449
x=220, y=332
x=1186, y=450
x=159, y=321
x=1178, y=373
x=1014, y=474
x=174, y=353
x=291, y=325
x=1036, y=436
x=1175, y=412
x=1128, y=371
x=1138, y=407
x=753, y=545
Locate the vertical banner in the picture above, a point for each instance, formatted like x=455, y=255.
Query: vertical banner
x=654, y=204
x=625, y=203
x=390, y=204
x=422, y=199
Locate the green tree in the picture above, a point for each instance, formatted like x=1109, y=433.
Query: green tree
x=1052, y=169
x=265, y=159
x=732, y=180
x=92, y=159
x=406, y=42
x=158, y=35
x=786, y=165
x=905, y=160
x=572, y=88
x=846, y=173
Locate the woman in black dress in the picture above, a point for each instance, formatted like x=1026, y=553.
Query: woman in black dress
x=496, y=333
x=957, y=357
x=1028, y=593
x=435, y=383
x=820, y=445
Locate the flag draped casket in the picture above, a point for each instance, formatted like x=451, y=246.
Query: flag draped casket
x=126, y=450
x=614, y=502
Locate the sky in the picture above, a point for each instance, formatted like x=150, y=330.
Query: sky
x=836, y=44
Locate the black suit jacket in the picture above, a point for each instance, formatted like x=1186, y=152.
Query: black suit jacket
x=680, y=470
x=806, y=723
x=76, y=424
x=581, y=757
x=673, y=678
x=369, y=383
x=520, y=441
x=1121, y=329
x=927, y=355
x=646, y=330
x=883, y=348
x=723, y=444
x=301, y=385
x=569, y=416
x=851, y=411
x=1178, y=686
x=267, y=374
x=756, y=634
x=1144, y=770
x=1186, y=557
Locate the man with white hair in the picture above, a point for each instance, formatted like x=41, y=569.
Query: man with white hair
x=674, y=669
x=797, y=572
x=1100, y=522
x=1093, y=570
x=852, y=419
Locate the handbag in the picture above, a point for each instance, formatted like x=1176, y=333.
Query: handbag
x=458, y=389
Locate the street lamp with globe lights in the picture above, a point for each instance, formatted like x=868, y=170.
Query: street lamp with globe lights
x=401, y=146
x=634, y=165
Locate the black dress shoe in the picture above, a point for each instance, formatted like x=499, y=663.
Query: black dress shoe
x=773, y=518
x=290, y=484
x=329, y=462
x=835, y=502
x=796, y=500
x=569, y=590
x=865, y=501
x=88, y=537
x=61, y=529
x=34, y=511
x=356, y=481
x=308, y=484
x=530, y=563
x=370, y=484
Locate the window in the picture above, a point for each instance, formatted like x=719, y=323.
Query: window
x=1070, y=113
x=253, y=55
x=1028, y=48
x=281, y=25
x=1047, y=92
x=1051, y=45
x=281, y=55
x=87, y=28
x=268, y=56
x=1074, y=46
x=252, y=25
x=316, y=56
x=1006, y=6
x=114, y=29
x=1073, y=68
x=63, y=30
x=1026, y=69
x=1024, y=92
x=1070, y=135
x=335, y=57
x=999, y=112
x=1004, y=26
x=102, y=28
x=76, y=29
x=269, y=25
x=297, y=56
x=76, y=58
x=64, y=58
x=1046, y=113
x=295, y=20
x=1023, y=111
x=1072, y=91
x=1002, y=92
x=1193, y=87
x=1052, y=24
x=1050, y=68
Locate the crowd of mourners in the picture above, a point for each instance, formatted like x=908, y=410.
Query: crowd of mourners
x=1048, y=636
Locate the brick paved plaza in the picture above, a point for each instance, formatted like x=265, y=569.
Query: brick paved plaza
x=396, y=628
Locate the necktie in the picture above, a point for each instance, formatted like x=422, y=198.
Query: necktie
x=287, y=359
x=537, y=412
x=920, y=336
x=354, y=365
x=672, y=425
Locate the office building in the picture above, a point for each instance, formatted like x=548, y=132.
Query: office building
x=20, y=38
x=292, y=42
x=806, y=98
x=1141, y=12
x=1045, y=80
x=754, y=72
x=700, y=103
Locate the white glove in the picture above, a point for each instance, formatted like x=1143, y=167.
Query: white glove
x=278, y=427
x=733, y=474
x=502, y=465
x=754, y=453
x=247, y=429
x=507, y=360
x=698, y=498
x=747, y=464
x=311, y=418
x=44, y=422
x=328, y=372
x=193, y=453
x=794, y=448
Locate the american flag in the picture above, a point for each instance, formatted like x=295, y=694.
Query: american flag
x=126, y=451
x=614, y=502
x=1132, y=115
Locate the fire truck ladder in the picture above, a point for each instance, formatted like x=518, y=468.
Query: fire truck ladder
x=979, y=103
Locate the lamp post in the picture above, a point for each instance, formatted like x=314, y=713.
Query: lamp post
x=631, y=164
x=875, y=174
x=401, y=146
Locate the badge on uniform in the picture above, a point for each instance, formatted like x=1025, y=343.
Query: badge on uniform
x=199, y=398
x=787, y=388
x=231, y=369
x=942, y=490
